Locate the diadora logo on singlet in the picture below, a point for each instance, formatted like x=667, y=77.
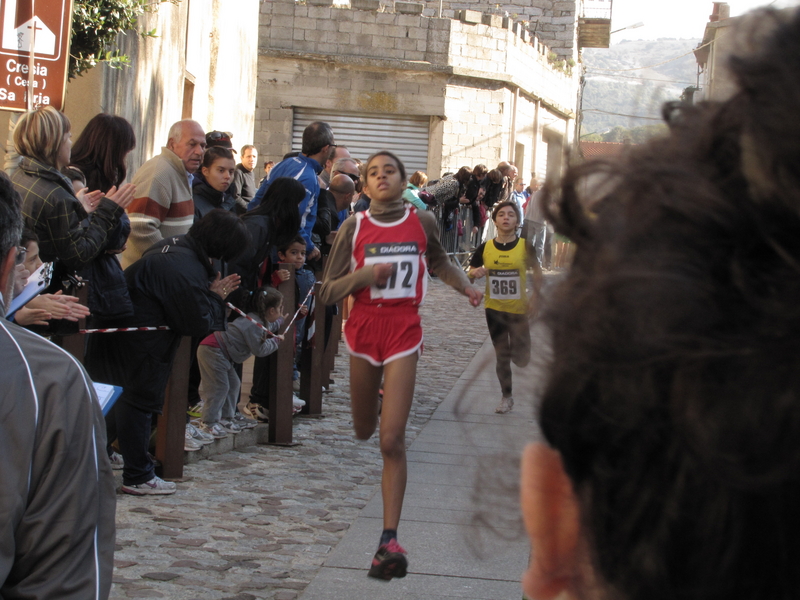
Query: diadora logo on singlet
x=385, y=249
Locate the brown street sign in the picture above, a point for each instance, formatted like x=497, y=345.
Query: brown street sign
x=43, y=26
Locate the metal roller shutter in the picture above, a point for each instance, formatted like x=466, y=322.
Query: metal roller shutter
x=365, y=133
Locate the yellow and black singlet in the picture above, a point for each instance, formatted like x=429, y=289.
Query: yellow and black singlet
x=505, y=276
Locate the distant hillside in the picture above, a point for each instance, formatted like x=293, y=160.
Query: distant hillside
x=639, y=92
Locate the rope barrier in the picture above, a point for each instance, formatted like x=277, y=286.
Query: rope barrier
x=123, y=329
x=165, y=328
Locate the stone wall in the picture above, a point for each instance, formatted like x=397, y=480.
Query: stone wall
x=479, y=78
x=552, y=21
x=401, y=42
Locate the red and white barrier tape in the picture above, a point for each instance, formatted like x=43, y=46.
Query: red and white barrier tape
x=165, y=328
x=252, y=320
x=124, y=329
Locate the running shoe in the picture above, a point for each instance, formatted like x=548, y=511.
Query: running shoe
x=155, y=486
x=243, y=422
x=215, y=430
x=201, y=437
x=390, y=561
x=230, y=426
x=116, y=460
x=261, y=413
x=505, y=406
x=190, y=444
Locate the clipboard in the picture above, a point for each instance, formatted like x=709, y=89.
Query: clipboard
x=107, y=395
x=37, y=283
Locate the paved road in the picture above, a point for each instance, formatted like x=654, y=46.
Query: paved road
x=303, y=522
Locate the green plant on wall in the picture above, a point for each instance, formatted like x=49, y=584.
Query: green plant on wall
x=95, y=26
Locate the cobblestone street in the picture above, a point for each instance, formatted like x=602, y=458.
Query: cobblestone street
x=259, y=522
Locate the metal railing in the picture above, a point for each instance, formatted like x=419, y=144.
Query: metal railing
x=596, y=9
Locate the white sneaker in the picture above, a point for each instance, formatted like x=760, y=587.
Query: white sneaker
x=230, y=426
x=297, y=402
x=199, y=436
x=190, y=444
x=155, y=486
x=505, y=406
x=116, y=460
x=215, y=430
x=243, y=422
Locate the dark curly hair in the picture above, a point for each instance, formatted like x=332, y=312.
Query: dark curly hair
x=221, y=234
x=673, y=392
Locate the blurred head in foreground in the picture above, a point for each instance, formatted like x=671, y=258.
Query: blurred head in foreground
x=671, y=411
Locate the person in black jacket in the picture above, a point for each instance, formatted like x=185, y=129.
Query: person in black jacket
x=173, y=284
x=273, y=223
x=211, y=183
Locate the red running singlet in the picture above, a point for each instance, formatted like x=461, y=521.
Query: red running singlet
x=384, y=324
x=402, y=244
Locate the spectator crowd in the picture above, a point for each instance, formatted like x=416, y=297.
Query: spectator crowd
x=670, y=396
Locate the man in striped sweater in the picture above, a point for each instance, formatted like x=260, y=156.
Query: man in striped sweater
x=163, y=206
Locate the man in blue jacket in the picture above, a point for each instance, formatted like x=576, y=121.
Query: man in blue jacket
x=317, y=143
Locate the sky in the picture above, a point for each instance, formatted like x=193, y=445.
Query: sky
x=675, y=19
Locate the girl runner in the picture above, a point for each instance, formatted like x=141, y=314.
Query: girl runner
x=379, y=257
x=507, y=303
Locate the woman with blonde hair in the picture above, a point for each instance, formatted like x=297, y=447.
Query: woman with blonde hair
x=68, y=235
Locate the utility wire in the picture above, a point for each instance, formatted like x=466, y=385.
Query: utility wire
x=605, y=112
x=589, y=74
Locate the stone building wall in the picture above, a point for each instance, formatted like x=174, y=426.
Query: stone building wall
x=469, y=76
x=552, y=21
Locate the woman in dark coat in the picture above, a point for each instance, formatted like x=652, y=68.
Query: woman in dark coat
x=173, y=284
x=273, y=223
x=67, y=234
x=99, y=153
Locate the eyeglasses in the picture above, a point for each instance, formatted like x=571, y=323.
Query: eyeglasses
x=20, y=258
x=355, y=178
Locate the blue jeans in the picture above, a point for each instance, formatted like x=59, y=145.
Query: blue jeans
x=538, y=233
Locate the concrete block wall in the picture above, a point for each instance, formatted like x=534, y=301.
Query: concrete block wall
x=477, y=126
x=462, y=73
x=554, y=21
x=359, y=37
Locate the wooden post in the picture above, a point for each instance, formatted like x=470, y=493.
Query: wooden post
x=172, y=422
x=311, y=374
x=281, y=368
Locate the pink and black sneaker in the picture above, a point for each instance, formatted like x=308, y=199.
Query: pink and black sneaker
x=389, y=562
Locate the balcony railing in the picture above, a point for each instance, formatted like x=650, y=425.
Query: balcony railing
x=596, y=9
